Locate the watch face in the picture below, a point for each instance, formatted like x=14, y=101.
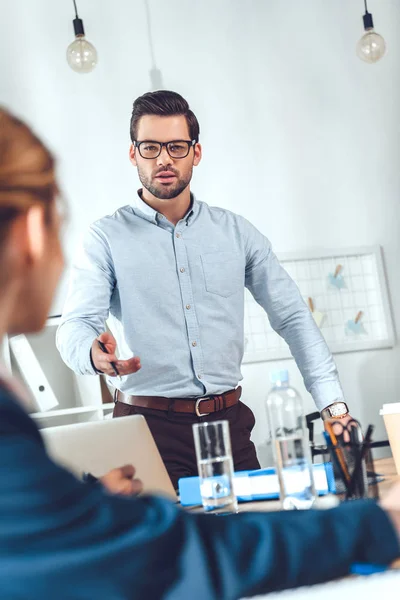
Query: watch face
x=338, y=410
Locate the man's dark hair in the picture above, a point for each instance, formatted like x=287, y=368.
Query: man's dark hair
x=165, y=104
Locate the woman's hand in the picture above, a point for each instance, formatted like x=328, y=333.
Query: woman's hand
x=122, y=481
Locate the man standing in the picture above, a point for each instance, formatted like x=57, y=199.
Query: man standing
x=168, y=272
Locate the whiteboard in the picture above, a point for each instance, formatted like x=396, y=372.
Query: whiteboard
x=365, y=289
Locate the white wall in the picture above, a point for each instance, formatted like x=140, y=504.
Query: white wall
x=299, y=135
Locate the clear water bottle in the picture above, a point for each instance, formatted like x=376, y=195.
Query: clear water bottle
x=290, y=444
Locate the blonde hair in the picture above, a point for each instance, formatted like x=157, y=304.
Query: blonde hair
x=26, y=171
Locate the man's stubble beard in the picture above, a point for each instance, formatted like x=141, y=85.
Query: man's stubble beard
x=165, y=193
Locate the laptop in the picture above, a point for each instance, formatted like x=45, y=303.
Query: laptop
x=99, y=446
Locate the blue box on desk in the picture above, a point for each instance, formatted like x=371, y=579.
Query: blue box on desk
x=255, y=485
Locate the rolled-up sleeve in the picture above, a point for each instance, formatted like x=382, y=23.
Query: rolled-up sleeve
x=87, y=305
x=277, y=293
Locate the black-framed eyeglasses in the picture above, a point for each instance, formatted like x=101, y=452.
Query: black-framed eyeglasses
x=176, y=148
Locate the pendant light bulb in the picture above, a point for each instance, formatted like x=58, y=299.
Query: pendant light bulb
x=81, y=54
x=372, y=46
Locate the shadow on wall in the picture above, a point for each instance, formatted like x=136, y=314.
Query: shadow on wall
x=377, y=386
x=156, y=77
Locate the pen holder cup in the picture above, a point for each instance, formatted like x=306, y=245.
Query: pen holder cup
x=350, y=471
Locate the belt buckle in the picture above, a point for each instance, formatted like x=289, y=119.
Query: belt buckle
x=196, y=408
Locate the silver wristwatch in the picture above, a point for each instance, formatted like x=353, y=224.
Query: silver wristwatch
x=337, y=410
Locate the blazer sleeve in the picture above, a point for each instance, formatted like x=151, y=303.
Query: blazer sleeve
x=59, y=537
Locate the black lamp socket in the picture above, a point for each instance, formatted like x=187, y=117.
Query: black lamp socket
x=368, y=21
x=78, y=27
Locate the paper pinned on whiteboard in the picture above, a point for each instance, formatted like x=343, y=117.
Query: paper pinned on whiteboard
x=32, y=373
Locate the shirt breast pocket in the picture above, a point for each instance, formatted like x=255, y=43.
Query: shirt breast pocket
x=223, y=273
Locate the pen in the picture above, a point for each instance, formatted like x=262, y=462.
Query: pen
x=113, y=365
x=358, y=464
x=338, y=452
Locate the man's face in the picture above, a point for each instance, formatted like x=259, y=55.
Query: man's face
x=164, y=177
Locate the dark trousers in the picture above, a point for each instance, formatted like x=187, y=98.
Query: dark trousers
x=173, y=435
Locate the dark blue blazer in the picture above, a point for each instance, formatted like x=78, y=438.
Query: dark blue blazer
x=60, y=538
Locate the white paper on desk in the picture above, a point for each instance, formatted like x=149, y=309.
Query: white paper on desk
x=33, y=373
x=367, y=588
x=252, y=486
x=268, y=484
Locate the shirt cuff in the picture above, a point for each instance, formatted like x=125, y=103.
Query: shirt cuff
x=97, y=372
x=326, y=392
x=84, y=357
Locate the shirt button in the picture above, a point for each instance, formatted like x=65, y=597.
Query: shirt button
x=178, y=235
x=194, y=344
x=160, y=216
x=182, y=270
x=199, y=376
x=188, y=306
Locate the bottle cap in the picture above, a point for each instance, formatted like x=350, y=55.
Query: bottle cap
x=281, y=376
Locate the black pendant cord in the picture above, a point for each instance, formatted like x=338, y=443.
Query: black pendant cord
x=367, y=18
x=76, y=10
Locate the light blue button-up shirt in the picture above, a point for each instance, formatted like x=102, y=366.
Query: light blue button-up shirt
x=174, y=295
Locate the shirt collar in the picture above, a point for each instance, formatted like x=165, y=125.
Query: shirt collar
x=145, y=211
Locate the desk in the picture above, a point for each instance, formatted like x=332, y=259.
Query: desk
x=383, y=466
x=371, y=587
x=349, y=588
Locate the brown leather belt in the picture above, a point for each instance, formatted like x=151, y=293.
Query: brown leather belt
x=198, y=406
